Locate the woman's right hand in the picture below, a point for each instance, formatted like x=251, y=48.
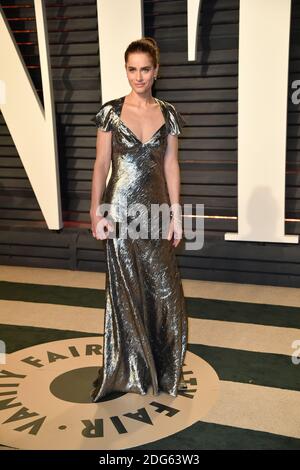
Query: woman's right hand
x=99, y=224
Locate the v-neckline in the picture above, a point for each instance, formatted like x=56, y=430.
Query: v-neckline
x=122, y=99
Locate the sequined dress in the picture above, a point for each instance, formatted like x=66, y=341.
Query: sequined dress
x=145, y=319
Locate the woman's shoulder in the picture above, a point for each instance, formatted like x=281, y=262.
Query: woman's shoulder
x=110, y=104
x=175, y=119
x=104, y=117
x=167, y=104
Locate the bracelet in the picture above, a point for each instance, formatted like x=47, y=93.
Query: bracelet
x=175, y=214
x=176, y=218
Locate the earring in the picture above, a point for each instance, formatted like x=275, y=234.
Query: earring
x=155, y=78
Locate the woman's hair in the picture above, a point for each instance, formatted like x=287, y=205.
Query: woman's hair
x=147, y=45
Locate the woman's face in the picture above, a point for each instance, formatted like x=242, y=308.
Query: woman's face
x=140, y=71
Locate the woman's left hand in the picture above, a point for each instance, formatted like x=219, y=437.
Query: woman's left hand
x=175, y=231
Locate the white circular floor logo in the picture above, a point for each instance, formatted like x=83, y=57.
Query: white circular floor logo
x=45, y=401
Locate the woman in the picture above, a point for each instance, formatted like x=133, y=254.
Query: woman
x=145, y=325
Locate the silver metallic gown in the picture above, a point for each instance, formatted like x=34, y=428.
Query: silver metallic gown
x=145, y=320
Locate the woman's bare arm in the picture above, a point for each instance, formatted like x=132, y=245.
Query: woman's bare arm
x=101, y=168
x=172, y=176
x=172, y=170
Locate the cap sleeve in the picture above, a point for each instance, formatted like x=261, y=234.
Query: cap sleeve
x=103, y=119
x=176, y=121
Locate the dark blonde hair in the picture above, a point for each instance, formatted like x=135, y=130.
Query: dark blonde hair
x=147, y=45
